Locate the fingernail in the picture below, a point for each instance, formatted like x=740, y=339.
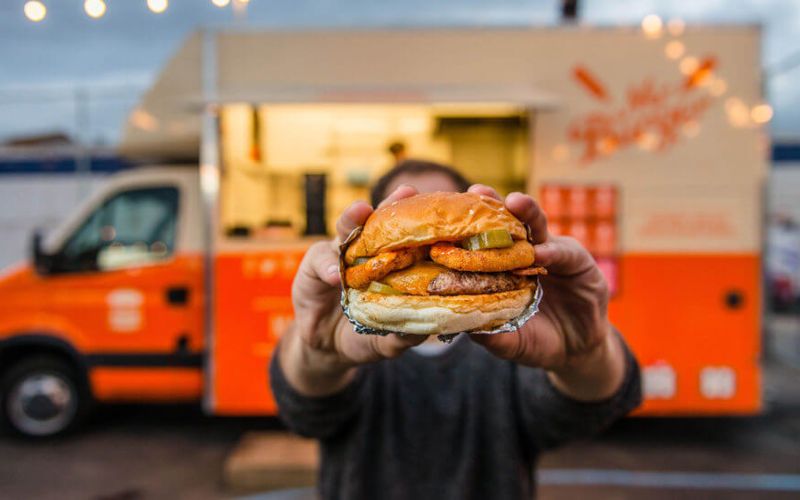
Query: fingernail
x=333, y=269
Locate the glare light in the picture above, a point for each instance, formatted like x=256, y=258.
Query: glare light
x=652, y=26
x=676, y=27
x=157, y=6
x=761, y=113
x=94, y=8
x=674, y=49
x=718, y=87
x=35, y=10
x=243, y=1
x=738, y=113
x=647, y=141
x=143, y=120
x=689, y=65
x=221, y=3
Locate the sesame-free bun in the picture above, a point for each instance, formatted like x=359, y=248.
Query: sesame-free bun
x=428, y=218
x=436, y=314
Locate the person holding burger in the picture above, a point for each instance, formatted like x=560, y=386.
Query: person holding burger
x=402, y=418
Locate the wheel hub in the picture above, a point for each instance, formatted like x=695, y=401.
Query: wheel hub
x=42, y=404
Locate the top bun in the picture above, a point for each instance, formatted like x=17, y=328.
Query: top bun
x=425, y=219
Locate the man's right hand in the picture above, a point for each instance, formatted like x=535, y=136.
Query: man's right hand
x=320, y=350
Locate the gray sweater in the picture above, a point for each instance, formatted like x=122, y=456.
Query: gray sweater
x=461, y=425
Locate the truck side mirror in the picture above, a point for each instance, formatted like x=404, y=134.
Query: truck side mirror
x=41, y=261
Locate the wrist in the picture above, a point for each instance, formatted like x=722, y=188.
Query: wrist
x=594, y=375
x=312, y=371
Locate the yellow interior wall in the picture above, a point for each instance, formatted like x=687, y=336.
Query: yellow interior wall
x=348, y=143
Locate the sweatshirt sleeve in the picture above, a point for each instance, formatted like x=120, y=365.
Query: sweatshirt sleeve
x=314, y=417
x=549, y=418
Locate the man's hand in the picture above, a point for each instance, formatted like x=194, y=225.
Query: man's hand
x=570, y=336
x=320, y=350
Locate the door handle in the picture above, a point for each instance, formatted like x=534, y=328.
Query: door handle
x=177, y=295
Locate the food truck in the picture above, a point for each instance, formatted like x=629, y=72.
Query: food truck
x=172, y=282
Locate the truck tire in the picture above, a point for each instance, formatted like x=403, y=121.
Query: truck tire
x=43, y=396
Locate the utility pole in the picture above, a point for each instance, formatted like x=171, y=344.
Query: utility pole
x=569, y=11
x=83, y=160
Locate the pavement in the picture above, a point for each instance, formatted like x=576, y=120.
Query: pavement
x=175, y=452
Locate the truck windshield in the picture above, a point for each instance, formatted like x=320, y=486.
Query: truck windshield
x=131, y=228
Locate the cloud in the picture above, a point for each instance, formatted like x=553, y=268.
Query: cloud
x=127, y=47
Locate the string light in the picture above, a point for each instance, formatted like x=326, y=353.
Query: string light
x=676, y=27
x=689, y=65
x=761, y=113
x=35, y=10
x=718, y=87
x=157, y=6
x=221, y=3
x=652, y=26
x=674, y=49
x=94, y=8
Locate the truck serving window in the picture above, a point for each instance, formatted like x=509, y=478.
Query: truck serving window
x=131, y=228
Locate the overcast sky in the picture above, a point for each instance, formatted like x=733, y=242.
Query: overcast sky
x=116, y=57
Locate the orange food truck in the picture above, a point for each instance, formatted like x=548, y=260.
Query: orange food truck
x=172, y=282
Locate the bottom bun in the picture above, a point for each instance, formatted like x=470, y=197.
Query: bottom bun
x=436, y=314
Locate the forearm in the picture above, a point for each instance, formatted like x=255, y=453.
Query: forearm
x=596, y=376
x=310, y=371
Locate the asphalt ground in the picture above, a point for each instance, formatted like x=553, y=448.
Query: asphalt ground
x=175, y=452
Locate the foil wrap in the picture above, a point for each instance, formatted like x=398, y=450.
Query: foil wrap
x=508, y=327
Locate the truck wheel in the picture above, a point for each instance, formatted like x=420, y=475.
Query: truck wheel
x=42, y=397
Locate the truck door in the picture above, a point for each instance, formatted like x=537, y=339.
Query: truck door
x=121, y=281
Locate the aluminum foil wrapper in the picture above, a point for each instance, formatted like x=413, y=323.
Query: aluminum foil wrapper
x=511, y=326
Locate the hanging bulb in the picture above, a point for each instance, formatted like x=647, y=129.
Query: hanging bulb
x=94, y=8
x=35, y=10
x=157, y=6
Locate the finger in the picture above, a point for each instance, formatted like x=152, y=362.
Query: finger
x=355, y=215
x=505, y=346
x=484, y=190
x=402, y=191
x=322, y=263
x=563, y=255
x=391, y=346
x=529, y=212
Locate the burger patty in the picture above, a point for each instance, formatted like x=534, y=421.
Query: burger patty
x=468, y=283
x=427, y=278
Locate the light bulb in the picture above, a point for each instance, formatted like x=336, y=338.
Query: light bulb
x=94, y=8
x=157, y=6
x=35, y=10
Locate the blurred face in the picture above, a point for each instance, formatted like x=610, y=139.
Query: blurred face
x=424, y=183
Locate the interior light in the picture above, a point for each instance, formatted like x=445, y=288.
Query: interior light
x=221, y=3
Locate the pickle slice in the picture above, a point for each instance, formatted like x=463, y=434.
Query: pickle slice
x=496, y=238
x=360, y=260
x=378, y=287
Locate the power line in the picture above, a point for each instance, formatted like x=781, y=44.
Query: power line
x=785, y=65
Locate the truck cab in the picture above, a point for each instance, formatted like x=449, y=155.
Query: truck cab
x=110, y=308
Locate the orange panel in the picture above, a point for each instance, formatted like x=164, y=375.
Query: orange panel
x=700, y=355
x=252, y=308
x=147, y=384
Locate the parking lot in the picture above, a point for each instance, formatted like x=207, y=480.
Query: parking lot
x=145, y=452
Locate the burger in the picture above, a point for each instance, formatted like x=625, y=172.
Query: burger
x=439, y=263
